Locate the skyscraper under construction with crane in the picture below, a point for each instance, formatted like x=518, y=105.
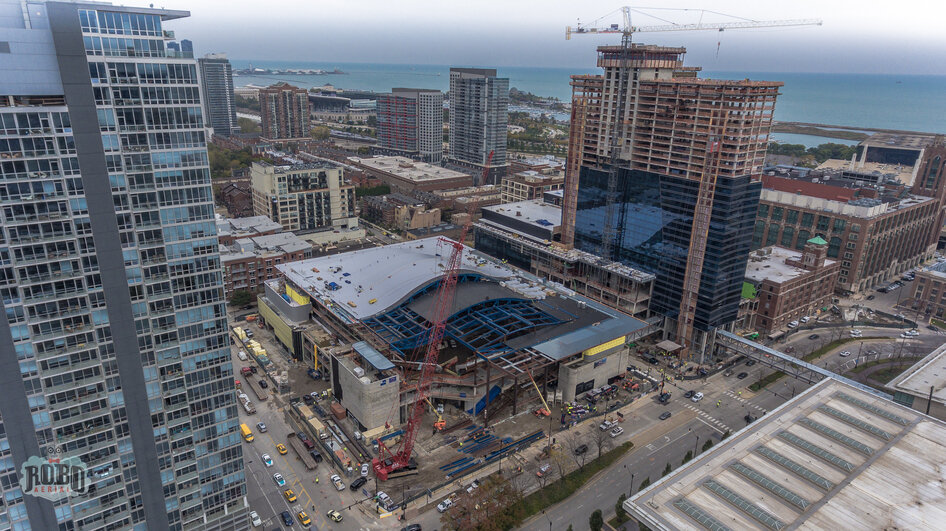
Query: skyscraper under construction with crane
x=663, y=174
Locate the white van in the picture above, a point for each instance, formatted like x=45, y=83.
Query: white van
x=242, y=355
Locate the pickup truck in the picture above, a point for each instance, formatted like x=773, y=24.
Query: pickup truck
x=337, y=481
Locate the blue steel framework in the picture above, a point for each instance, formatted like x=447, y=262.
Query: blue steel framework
x=483, y=327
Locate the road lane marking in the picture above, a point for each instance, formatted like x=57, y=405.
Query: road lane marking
x=710, y=425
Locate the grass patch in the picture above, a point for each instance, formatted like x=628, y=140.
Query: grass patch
x=885, y=375
x=937, y=323
x=864, y=366
x=560, y=489
x=814, y=355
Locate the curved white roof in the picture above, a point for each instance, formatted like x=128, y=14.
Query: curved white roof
x=385, y=274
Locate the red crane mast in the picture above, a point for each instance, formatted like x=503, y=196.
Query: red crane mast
x=387, y=460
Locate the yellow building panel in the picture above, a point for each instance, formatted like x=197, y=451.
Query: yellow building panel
x=604, y=346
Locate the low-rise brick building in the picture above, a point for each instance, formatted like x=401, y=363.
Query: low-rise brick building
x=790, y=284
x=249, y=262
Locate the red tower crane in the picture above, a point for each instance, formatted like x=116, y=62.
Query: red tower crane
x=389, y=461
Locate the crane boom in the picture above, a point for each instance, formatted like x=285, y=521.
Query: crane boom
x=388, y=461
x=699, y=26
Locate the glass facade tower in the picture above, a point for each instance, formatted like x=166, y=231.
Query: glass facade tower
x=110, y=277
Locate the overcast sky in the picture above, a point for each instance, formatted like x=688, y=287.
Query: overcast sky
x=902, y=37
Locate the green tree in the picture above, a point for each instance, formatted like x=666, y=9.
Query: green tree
x=381, y=189
x=246, y=103
x=570, y=527
x=707, y=445
x=596, y=521
x=687, y=457
x=619, y=508
x=241, y=298
x=666, y=471
x=644, y=484
x=320, y=132
x=247, y=125
x=725, y=434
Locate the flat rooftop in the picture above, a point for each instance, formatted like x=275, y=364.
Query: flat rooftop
x=246, y=226
x=385, y=275
x=769, y=264
x=938, y=269
x=408, y=169
x=929, y=372
x=282, y=242
x=834, y=457
x=533, y=211
x=898, y=140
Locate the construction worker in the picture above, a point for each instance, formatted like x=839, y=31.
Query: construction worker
x=316, y=479
x=717, y=403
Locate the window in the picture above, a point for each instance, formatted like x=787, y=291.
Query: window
x=931, y=175
x=823, y=222
x=773, y=234
x=803, y=237
x=776, y=213
x=757, y=234
x=834, y=247
x=807, y=219
x=852, y=236
x=791, y=217
x=787, y=234
x=763, y=211
x=839, y=225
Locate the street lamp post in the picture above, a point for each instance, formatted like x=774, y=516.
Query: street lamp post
x=696, y=445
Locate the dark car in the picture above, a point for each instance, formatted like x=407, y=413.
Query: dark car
x=742, y=375
x=665, y=415
x=689, y=393
x=813, y=336
x=287, y=518
x=663, y=398
x=307, y=399
x=316, y=455
x=750, y=363
x=263, y=384
x=581, y=449
x=652, y=360
x=870, y=297
x=749, y=418
x=412, y=527
x=355, y=485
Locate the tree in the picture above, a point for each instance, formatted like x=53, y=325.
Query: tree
x=707, y=445
x=602, y=440
x=644, y=484
x=320, y=132
x=725, y=434
x=560, y=460
x=572, y=444
x=596, y=521
x=619, y=508
x=248, y=126
x=687, y=457
x=241, y=298
x=666, y=471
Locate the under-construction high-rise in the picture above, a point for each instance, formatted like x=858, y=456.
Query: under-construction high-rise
x=686, y=146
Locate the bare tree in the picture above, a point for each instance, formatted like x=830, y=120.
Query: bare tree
x=576, y=448
x=602, y=440
x=560, y=460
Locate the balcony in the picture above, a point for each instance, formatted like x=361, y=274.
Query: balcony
x=168, y=35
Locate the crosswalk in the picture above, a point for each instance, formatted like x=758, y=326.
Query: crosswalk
x=739, y=398
x=708, y=417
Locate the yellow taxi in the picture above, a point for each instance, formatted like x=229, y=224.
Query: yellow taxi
x=281, y=448
x=304, y=519
x=290, y=496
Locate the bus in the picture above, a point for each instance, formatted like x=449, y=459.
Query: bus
x=247, y=434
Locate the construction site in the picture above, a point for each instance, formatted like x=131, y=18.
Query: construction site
x=509, y=346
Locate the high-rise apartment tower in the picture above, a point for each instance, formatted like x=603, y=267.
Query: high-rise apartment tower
x=284, y=110
x=479, y=115
x=113, y=345
x=677, y=130
x=410, y=122
x=216, y=81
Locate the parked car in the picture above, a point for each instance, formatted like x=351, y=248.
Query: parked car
x=665, y=415
x=364, y=470
x=473, y=486
x=805, y=319
x=871, y=297
x=727, y=372
x=316, y=455
x=355, y=485
x=543, y=470
x=606, y=425
x=793, y=324
x=255, y=519
x=287, y=518
x=689, y=394
x=845, y=354
x=750, y=363
x=697, y=397
x=813, y=336
x=616, y=431
x=334, y=515
x=444, y=505
x=652, y=360
x=307, y=399
x=742, y=375
x=242, y=355
x=337, y=481
x=261, y=427
x=263, y=384
x=412, y=527
x=856, y=332
x=581, y=449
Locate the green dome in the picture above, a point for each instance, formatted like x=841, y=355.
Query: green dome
x=818, y=240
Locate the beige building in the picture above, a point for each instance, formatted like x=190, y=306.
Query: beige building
x=923, y=386
x=531, y=184
x=303, y=197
